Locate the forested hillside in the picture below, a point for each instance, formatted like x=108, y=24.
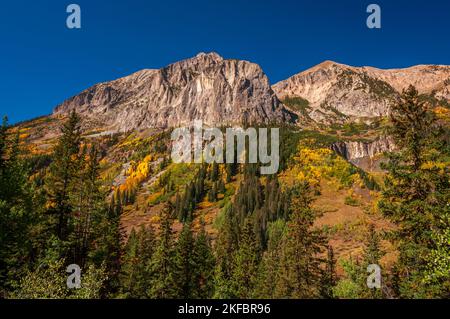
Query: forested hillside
x=141, y=226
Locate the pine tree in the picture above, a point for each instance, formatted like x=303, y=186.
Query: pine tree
x=328, y=276
x=246, y=263
x=106, y=247
x=225, y=247
x=212, y=194
x=415, y=195
x=214, y=172
x=354, y=284
x=270, y=263
x=130, y=261
x=221, y=186
x=62, y=173
x=161, y=268
x=372, y=251
x=134, y=275
x=300, y=266
x=372, y=256
x=204, y=265
x=184, y=265
x=19, y=211
x=89, y=206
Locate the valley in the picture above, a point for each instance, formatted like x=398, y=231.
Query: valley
x=335, y=135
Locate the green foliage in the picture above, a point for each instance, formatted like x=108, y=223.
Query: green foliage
x=18, y=213
x=354, y=284
x=134, y=275
x=62, y=174
x=299, y=272
x=163, y=283
x=351, y=201
x=204, y=261
x=184, y=263
x=246, y=262
x=416, y=197
x=48, y=281
x=298, y=104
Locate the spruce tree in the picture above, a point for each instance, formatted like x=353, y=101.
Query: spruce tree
x=227, y=243
x=184, y=265
x=328, y=276
x=161, y=268
x=62, y=173
x=246, y=263
x=372, y=256
x=19, y=211
x=415, y=194
x=134, y=275
x=269, y=267
x=204, y=265
x=300, y=264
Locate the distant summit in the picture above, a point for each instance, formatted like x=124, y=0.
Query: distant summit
x=206, y=87
x=334, y=92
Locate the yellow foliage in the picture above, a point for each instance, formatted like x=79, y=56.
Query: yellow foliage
x=441, y=166
x=312, y=165
x=137, y=173
x=442, y=112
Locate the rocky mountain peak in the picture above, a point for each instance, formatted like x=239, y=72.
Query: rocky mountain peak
x=207, y=87
x=337, y=92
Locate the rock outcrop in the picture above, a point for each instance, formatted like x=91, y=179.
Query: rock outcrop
x=365, y=155
x=337, y=92
x=206, y=87
x=352, y=150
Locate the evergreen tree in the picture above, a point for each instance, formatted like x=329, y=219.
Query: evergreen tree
x=184, y=264
x=130, y=261
x=161, y=268
x=270, y=263
x=134, y=275
x=204, y=265
x=106, y=246
x=372, y=256
x=328, y=276
x=416, y=196
x=225, y=247
x=246, y=262
x=62, y=173
x=300, y=264
x=354, y=284
x=19, y=211
x=89, y=206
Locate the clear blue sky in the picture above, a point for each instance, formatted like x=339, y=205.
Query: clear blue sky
x=42, y=62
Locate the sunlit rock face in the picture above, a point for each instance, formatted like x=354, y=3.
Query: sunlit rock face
x=338, y=93
x=206, y=87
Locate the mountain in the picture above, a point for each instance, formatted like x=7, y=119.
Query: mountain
x=331, y=92
x=206, y=87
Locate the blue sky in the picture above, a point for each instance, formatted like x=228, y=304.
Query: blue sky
x=42, y=62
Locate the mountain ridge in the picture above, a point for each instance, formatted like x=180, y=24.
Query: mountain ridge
x=229, y=91
x=218, y=91
x=337, y=92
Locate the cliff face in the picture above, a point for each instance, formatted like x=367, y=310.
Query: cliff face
x=364, y=154
x=353, y=150
x=337, y=92
x=205, y=87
